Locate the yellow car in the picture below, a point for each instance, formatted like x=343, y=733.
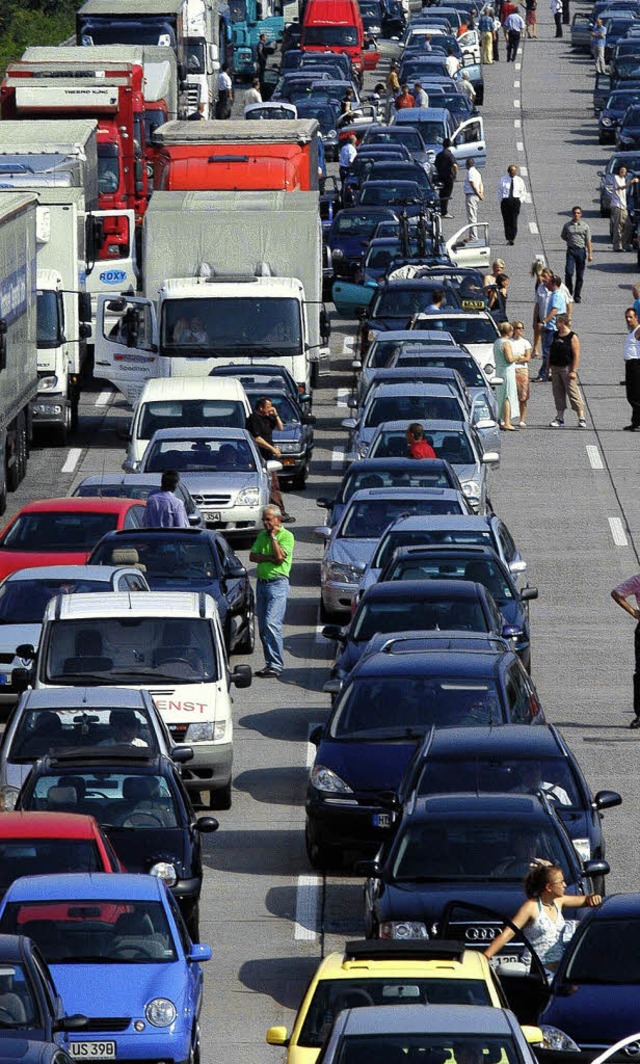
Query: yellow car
x=386, y=972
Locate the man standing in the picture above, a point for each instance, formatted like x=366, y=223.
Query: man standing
x=577, y=236
x=556, y=10
x=405, y=99
x=272, y=551
x=163, y=509
x=348, y=152
x=452, y=63
x=465, y=86
x=619, y=211
x=262, y=54
x=473, y=193
x=447, y=171
x=632, y=368
x=392, y=84
x=253, y=95
x=420, y=96
x=598, y=37
x=260, y=425
x=514, y=25
x=418, y=446
x=511, y=193
x=556, y=305
x=197, y=115
x=225, y=93
x=621, y=594
x=485, y=28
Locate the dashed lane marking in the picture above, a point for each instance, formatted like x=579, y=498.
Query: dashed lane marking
x=533, y=228
x=337, y=458
x=594, y=456
x=307, y=906
x=524, y=172
x=348, y=345
x=516, y=103
x=516, y=84
x=519, y=147
x=517, y=123
x=518, y=66
x=72, y=460
x=103, y=398
x=617, y=531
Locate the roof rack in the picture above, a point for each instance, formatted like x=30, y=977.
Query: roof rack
x=117, y=752
x=387, y=949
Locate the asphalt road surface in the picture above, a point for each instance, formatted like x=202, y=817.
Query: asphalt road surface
x=571, y=500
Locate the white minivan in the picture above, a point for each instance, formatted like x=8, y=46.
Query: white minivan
x=170, y=644
x=184, y=402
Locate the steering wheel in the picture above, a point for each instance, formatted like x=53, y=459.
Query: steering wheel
x=142, y=820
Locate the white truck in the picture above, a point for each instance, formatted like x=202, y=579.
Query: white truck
x=202, y=51
x=228, y=277
x=18, y=358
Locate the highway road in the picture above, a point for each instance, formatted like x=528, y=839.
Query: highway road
x=571, y=500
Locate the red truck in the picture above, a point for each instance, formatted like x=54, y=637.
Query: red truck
x=112, y=93
x=336, y=25
x=227, y=156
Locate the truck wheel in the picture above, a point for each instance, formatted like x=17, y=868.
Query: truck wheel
x=60, y=433
x=221, y=799
x=12, y=475
x=23, y=451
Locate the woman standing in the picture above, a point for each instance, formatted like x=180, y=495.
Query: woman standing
x=522, y=350
x=505, y=362
x=541, y=917
x=531, y=18
x=564, y=359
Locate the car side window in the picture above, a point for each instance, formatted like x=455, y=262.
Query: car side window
x=185, y=941
x=47, y=982
x=133, y=517
x=134, y=583
x=508, y=546
x=517, y=697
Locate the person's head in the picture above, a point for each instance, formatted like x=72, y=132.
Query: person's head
x=405, y=88
x=599, y=22
x=470, y=163
x=553, y=281
x=446, y=143
x=437, y=296
x=545, y=276
x=512, y=170
x=272, y=518
x=530, y=774
x=537, y=266
x=263, y=36
x=576, y=213
x=622, y=172
x=352, y=139
x=468, y=1052
x=562, y=321
x=497, y=266
x=502, y=281
x=169, y=480
x=415, y=432
x=200, y=108
x=545, y=882
x=466, y=76
x=635, y=291
x=196, y=323
x=631, y=318
x=124, y=724
x=505, y=328
x=417, y=87
x=255, y=84
x=518, y=328
x=263, y=405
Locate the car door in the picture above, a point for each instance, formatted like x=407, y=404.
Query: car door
x=469, y=42
x=469, y=248
x=126, y=343
x=581, y=32
x=510, y=552
x=485, y=425
x=350, y=298
x=468, y=142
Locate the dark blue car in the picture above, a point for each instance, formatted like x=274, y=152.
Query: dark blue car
x=350, y=233
x=396, y=302
x=612, y=113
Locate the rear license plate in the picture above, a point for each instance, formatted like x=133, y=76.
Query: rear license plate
x=382, y=820
x=4, y=679
x=92, y=1050
x=212, y=515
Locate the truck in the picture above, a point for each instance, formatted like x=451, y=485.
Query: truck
x=18, y=357
x=250, y=19
x=203, y=55
x=278, y=156
x=228, y=277
x=141, y=22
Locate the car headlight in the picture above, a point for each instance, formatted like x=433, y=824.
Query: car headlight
x=199, y=733
x=471, y=489
x=165, y=871
x=8, y=798
x=582, y=848
x=371, y=335
x=332, y=134
x=606, y=122
x=323, y=779
x=553, y=1038
x=161, y=1012
x=344, y=574
x=337, y=253
x=248, y=497
x=289, y=448
x=403, y=929
x=48, y=384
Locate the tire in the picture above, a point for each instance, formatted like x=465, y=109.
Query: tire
x=59, y=434
x=23, y=451
x=193, y=923
x=320, y=857
x=194, y=1054
x=248, y=644
x=328, y=616
x=220, y=799
x=12, y=477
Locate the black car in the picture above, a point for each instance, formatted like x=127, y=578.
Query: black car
x=392, y=171
x=629, y=129
x=512, y=760
x=189, y=559
x=264, y=377
x=468, y=848
x=350, y=234
x=30, y=1007
x=613, y=112
x=395, y=303
x=141, y=804
x=296, y=438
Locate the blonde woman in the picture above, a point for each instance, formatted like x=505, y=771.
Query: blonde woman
x=505, y=363
x=522, y=350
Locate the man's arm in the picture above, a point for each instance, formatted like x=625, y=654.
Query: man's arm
x=626, y=605
x=588, y=243
x=563, y=234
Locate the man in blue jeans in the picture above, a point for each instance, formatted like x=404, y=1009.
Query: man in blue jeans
x=577, y=236
x=556, y=304
x=273, y=553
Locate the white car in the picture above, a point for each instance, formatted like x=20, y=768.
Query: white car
x=476, y=331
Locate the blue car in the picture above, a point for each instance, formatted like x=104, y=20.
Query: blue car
x=119, y=954
x=350, y=233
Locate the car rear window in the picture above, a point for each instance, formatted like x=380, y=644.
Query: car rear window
x=64, y=533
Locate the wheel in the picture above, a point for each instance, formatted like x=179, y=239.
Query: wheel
x=320, y=856
x=193, y=923
x=59, y=433
x=220, y=799
x=248, y=643
x=22, y=450
x=12, y=476
x=328, y=616
x=299, y=482
x=3, y=490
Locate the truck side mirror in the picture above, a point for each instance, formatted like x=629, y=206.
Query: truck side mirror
x=325, y=326
x=84, y=306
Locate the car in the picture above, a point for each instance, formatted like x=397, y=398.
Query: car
x=385, y=973
x=407, y=135
x=367, y=156
x=190, y=559
x=511, y=759
x=628, y=134
x=275, y=110
x=135, y=486
x=223, y=470
x=140, y=802
x=25, y=594
x=405, y=195
x=478, y=384
x=32, y=1011
x=56, y=841
x=459, y=107
x=397, y=301
x=62, y=531
x=616, y=24
x=466, y=1034
x=388, y=473
x=455, y=441
x=468, y=280
x=475, y=331
x=337, y=63
x=386, y=345
x=350, y=234
x=295, y=440
x=53, y=720
x=384, y=169
x=253, y=376
x=119, y=954
x=436, y=124
x=625, y=46
x=473, y=848
x=405, y=357
x=352, y=540
x=402, y=685
x=630, y=159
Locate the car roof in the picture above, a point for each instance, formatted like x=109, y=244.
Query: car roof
x=164, y=604
x=80, y=886
x=47, y=825
x=86, y=504
x=418, y=388
x=507, y=741
x=443, y=1019
x=392, y=660
x=445, y=550
x=397, y=335
x=84, y=698
x=435, y=425
x=376, y=957
x=214, y=433
x=416, y=523
x=11, y=949
x=134, y=760
x=507, y=805
x=401, y=464
x=464, y=522
x=104, y=573
x=415, y=590
x=624, y=906
x=391, y=493
x=425, y=114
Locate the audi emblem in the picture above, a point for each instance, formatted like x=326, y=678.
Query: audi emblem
x=632, y=1050
x=481, y=934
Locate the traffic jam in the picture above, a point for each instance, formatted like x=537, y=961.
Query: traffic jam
x=255, y=388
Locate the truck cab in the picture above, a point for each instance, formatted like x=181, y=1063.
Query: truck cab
x=202, y=56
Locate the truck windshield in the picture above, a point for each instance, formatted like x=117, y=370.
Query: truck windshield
x=249, y=325
x=131, y=650
x=238, y=10
x=106, y=30
x=49, y=319
x=108, y=169
x=196, y=62
x=330, y=36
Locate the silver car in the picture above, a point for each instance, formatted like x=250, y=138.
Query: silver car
x=455, y=441
x=386, y=354
x=135, y=486
x=25, y=594
x=223, y=470
x=352, y=541
x=475, y=379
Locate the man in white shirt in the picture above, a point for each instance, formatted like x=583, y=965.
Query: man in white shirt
x=253, y=95
x=348, y=153
x=514, y=25
x=420, y=97
x=452, y=63
x=555, y=7
x=511, y=193
x=473, y=193
x=619, y=212
x=466, y=87
x=632, y=368
x=225, y=94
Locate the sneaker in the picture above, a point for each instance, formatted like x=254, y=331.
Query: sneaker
x=447, y=215
x=557, y=423
x=582, y=424
x=287, y=519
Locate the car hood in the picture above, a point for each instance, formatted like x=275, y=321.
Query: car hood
x=118, y=989
x=467, y=472
x=139, y=849
x=289, y=434
x=352, y=247
x=426, y=901
x=228, y=482
x=351, y=551
x=594, y=1015
x=367, y=767
x=12, y=635
x=11, y=560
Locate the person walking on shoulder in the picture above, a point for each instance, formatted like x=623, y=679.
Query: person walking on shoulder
x=473, y=193
x=447, y=171
x=531, y=18
x=511, y=193
x=564, y=360
x=486, y=31
x=621, y=594
x=514, y=25
x=632, y=368
x=556, y=10
x=577, y=236
x=164, y=509
x=521, y=348
x=619, y=211
x=272, y=551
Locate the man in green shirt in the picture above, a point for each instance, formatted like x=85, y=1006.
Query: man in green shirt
x=273, y=553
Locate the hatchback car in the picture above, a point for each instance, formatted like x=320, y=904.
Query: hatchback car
x=55, y=841
x=135, y=486
x=120, y=955
x=350, y=234
x=406, y=135
x=32, y=1011
x=476, y=332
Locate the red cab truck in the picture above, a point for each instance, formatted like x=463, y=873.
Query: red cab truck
x=336, y=26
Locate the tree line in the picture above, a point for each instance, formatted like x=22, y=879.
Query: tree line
x=26, y=22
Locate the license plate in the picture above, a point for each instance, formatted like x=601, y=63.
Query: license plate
x=382, y=820
x=92, y=1050
x=288, y=461
x=4, y=679
x=212, y=515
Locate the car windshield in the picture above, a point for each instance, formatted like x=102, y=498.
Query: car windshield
x=330, y=36
x=412, y=172
x=632, y=116
x=169, y=562
x=355, y=224
x=333, y=995
x=46, y=731
x=270, y=112
x=385, y=353
x=465, y=1049
x=386, y=707
x=632, y=162
x=628, y=66
x=472, y=330
x=378, y=258
x=426, y=477
x=415, y=615
x=190, y=413
x=18, y=1007
x=116, y=799
x=453, y=446
x=409, y=137
x=24, y=601
x=28, y=857
x=203, y=456
x=412, y=408
x=395, y=301
x=463, y=847
x=432, y=132
x=482, y=570
x=286, y=409
x=369, y=518
x=379, y=195
x=77, y=931
x=489, y=774
x=607, y=952
x=64, y=533
x=466, y=367
x=125, y=650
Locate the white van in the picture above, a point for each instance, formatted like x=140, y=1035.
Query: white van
x=184, y=402
x=171, y=645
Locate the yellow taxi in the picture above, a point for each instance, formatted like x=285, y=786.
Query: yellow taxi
x=386, y=972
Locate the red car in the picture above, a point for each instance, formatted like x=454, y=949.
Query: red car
x=63, y=531
x=45, y=843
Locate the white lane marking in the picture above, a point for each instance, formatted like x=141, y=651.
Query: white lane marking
x=519, y=147
x=516, y=84
x=594, y=456
x=72, y=460
x=307, y=905
x=342, y=396
x=519, y=52
x=518, y=66
x=517, y=123
x=104, y=398
x=516, y=103
x=617, y=531
x=524, y=171
x=348, y=345
x=311, y=750
x=337, y=458
x=533, y=228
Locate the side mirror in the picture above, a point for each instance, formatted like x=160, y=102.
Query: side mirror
x=278, y=1036
x=195, y=520
x=352, y=402
x=242, y=676
x=309, y=419
x=315, y=735
x=324, y=504
x=332, y=687
x=490, y=458
x=235, y=572
x=199, y=952
x=368, y=868
x=606, y=800
x=84, y=331
x=496, y=381
x=349, y=423
x=596, y=868
x=485, y=423
x=533, y=1035
x=510, y=631
x=76, y=1022
x=334, y=631
x=274, y=467
x=322, y=532
x=26, y=650
x=528, y=593
x=207, y=824
x=181, y=754
x=129, y=466
x=356, y=364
